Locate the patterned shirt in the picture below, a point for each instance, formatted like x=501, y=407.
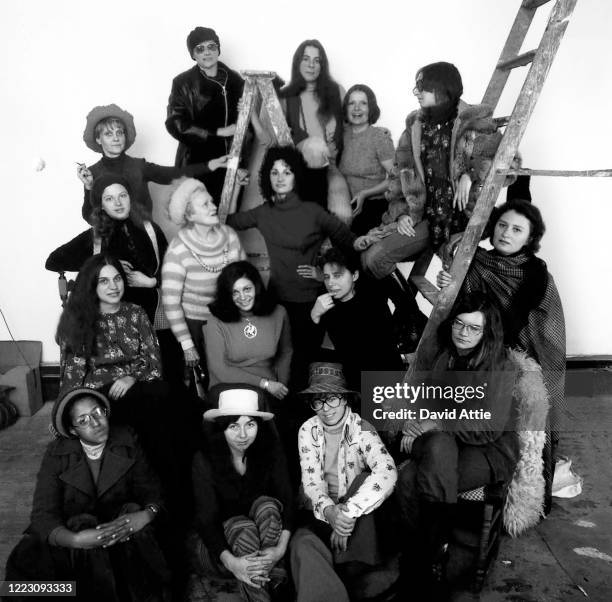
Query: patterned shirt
x=443, y=219
x=125, y=346
x=361, y=449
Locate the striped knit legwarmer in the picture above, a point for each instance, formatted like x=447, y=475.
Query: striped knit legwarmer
x=261, y=529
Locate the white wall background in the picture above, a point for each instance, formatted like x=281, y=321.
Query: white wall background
x=59, y=59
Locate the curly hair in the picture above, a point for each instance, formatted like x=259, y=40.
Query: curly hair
x=528, y=211
x=490, y=352
x=327, y=90
x=373, y=108
x=290, y=156
x=76, y=330
x=223, y=306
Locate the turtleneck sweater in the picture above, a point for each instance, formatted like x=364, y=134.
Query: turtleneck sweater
x=189, y=276
x=294, y=231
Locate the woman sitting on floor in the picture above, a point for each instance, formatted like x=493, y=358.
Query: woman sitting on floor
x=244, y=510
x=347, y=473
x=247, y=335
x=94, y=503
x=525, y=291
x=453, y=455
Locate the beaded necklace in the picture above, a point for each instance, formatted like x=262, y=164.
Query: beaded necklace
x=212, y=268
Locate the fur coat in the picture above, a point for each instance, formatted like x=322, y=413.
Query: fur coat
x=474, y=141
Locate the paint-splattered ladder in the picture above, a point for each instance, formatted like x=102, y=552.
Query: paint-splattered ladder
x=541, y=60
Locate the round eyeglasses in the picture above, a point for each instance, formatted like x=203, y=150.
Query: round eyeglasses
x=84, y=420
x=331, y=401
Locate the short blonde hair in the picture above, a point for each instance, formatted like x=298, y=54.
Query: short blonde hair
x=180, y=199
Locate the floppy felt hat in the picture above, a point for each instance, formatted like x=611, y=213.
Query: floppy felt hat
x=101, y=112
x=326, y=377
x=235, y=400
x=57, y=413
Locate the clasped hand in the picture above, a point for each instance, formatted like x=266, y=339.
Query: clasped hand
x=113, y=532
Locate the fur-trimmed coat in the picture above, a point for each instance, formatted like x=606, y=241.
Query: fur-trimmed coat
x=474, y=141
x=525, y=501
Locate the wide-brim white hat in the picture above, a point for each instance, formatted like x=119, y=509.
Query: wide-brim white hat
x=237, y=402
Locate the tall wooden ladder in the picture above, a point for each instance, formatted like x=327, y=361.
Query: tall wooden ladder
x=256, y=82
x=541, y=60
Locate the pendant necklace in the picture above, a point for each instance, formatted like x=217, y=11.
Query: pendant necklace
x=250, y=330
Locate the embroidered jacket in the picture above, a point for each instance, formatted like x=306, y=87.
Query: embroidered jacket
x=360, y=449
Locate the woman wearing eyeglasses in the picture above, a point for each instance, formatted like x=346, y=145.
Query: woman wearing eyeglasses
x=95, y=506
x=475, y=446
x=347, y=474
x=203, y=107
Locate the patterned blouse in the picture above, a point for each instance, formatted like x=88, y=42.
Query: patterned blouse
x=360, y=449
x=125, y=346
x=435, y=153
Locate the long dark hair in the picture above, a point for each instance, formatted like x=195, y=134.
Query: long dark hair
x=490, y=352
x=103, y=224
x=327, y=90
x=292, y=157
x=76, y=331
x=224, y=308
x=260, y=454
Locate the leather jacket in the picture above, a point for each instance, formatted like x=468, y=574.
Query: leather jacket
x=197, y=107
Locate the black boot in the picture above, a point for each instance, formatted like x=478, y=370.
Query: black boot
x=409, y=322
x=436, y=522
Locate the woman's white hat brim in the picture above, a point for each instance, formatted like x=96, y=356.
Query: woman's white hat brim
x=238, y=402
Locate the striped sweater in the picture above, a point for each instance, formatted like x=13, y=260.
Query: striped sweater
x=187, y=287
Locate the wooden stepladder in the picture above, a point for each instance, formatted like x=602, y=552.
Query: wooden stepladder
x=541, y=60
x=256, y=82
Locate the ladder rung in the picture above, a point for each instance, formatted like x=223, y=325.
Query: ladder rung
x=426, y=288
x=534, y=3
x=517, y=61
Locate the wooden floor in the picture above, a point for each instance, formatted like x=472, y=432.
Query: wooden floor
x=571, y=549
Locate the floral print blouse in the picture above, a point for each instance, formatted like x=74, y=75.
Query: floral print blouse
x=125, y=346
x=444, y=220
x=360, y=449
